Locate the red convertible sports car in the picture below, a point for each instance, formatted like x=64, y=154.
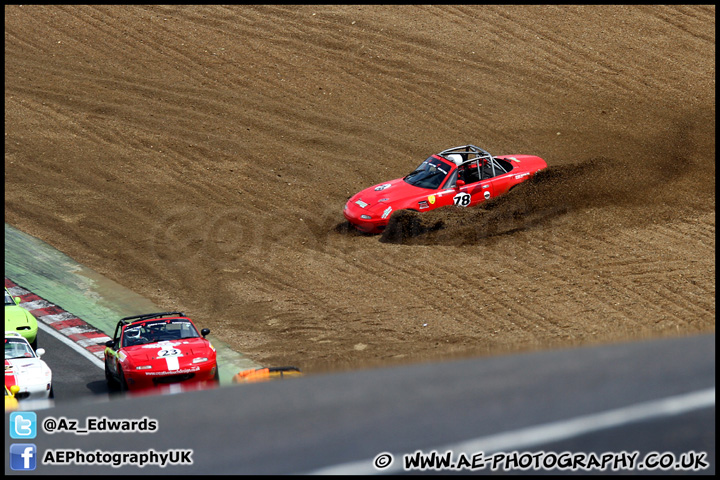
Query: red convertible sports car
x=158, y=349
x=462, y=176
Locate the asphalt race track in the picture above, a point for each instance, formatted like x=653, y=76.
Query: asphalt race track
x=76, y=377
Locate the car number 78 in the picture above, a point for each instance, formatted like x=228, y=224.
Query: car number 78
x=462, y=199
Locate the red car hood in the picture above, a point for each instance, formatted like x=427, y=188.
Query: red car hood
x=183, y=350
x=396, y=192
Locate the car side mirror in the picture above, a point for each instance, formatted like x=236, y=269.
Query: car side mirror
x=110, y=343
x=204, y=332
x=40, y=352
x=459, y=183
x=17, y=300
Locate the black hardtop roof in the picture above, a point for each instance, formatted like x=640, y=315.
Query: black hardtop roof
x=148, y=316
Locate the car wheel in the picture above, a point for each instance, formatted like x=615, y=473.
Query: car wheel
x=121, y=379
x=407, y=224
x=112, y=384
x=52, y=392
x=217, y=374
x=33, y=344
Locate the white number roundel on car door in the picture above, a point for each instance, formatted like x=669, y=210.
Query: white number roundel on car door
x=462, y=199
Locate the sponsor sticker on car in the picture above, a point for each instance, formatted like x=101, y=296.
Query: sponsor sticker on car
x=174, y=372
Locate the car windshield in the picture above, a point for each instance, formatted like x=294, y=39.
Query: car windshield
x=17, y=348
x=430, y=174
x=8, y=299
x=153, y=331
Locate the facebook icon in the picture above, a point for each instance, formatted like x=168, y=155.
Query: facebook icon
x=22, y=456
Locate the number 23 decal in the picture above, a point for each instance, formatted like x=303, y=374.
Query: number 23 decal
x=172, y=352
x=462, y=199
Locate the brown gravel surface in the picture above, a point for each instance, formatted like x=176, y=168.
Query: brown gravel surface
x=202, y=156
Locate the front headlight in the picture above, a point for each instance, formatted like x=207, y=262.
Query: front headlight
x=143, y=367
x=365, y=217
x=200, y=360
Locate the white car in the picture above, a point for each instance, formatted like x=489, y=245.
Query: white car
x=24, y=368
